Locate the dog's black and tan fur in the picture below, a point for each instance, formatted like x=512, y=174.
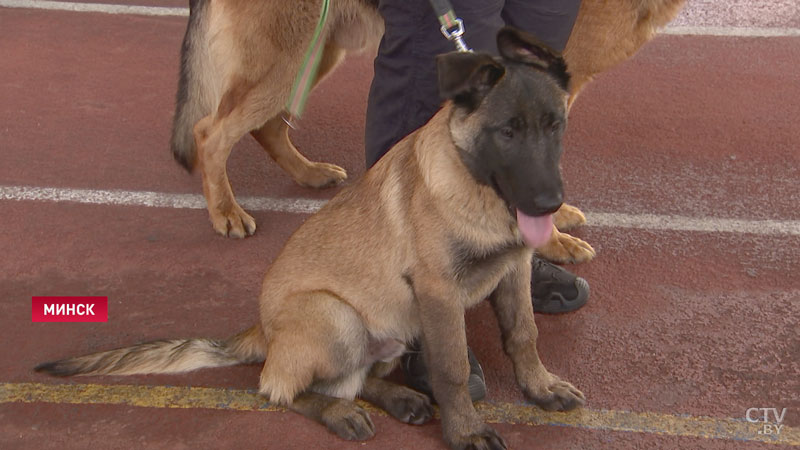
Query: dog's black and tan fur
x=429, y=231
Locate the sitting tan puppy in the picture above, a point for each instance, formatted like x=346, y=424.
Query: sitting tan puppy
x=446, y=219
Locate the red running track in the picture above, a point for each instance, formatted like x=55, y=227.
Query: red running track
x=679, y=322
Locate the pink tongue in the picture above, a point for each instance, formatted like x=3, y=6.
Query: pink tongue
x=535, y=230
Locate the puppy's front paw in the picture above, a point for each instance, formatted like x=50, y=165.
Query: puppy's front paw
x=555, y=394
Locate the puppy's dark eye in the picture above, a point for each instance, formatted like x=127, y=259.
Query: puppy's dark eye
x=507, y=132
x=555, y=127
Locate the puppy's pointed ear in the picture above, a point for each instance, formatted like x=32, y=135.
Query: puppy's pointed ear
x=519, y=46
x=467, y=77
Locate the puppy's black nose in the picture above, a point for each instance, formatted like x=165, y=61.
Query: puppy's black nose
x=548, y=203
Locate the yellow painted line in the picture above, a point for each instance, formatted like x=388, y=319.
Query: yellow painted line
x=507, y=413
x=641, y=422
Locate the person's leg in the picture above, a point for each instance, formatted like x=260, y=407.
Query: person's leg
x=549, y=20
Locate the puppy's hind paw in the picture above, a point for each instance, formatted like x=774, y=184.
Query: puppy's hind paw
x=349, y=421
x=410, y=406
x=485, y=439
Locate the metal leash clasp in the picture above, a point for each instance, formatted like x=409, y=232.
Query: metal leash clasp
x=289, y=119
x=455, y=35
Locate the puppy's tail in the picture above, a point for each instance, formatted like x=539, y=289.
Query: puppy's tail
x=165, y=356
x=195, y=85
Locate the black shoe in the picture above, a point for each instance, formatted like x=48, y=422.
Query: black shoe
x=416, y=373
x=555, y=290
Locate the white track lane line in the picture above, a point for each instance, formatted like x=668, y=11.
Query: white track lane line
x=309, y=206
x=729, y=31
x=96, y=7
x=151, y=199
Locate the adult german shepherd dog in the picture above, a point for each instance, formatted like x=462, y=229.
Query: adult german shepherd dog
x=448, y=217
x=239, y=60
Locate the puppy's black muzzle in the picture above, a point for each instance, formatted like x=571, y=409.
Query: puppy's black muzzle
x=533, y=191
x=545, y=203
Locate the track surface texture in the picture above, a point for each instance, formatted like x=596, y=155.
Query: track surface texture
x=685, y=158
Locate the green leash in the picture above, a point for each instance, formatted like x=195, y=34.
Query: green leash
x=452, y=29
x=308, y=71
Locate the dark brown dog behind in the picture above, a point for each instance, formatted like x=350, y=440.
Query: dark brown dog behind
x=437, y=225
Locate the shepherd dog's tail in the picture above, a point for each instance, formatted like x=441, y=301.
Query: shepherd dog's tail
x=195, y=97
